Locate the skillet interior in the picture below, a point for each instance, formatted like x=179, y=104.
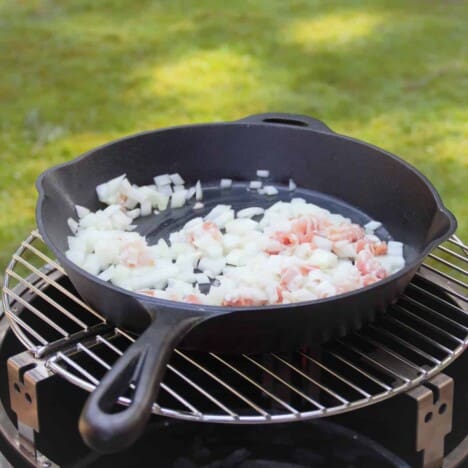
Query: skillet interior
x=336, y=172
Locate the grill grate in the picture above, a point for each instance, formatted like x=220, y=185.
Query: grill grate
x=416, y=339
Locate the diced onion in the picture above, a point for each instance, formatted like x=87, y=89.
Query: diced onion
x=162, y=180
x=108, y=191
x=177, y=179
x=255, y=184
x=145, y=209
x=162, y=200
x=201, y=278
x=81, y=211
x=323, y=243
x=198, y=191
x=190, y=193
x=297, y=251
x=76, y=256
x=212, y=266
x=107, y=274
x=178, y=199
x=250, y=212
x=395, y=248
x=270, y=190
x=225, y=183
x=241, y=226
x=194, y=222
x=73, y=225
x=371, y=226
x=217, y=210
x=165, y=190
x=222, y=219
x=134, y=213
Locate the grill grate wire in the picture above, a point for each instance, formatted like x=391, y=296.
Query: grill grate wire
x=416, y=339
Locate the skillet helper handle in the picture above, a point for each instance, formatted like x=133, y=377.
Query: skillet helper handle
x=141, y=366
x=296, y=120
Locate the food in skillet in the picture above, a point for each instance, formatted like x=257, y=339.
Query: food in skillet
x=291, y=252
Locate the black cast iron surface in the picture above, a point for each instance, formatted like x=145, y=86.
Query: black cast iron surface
x=60, y=441
x=339, y=173
x=334, y=171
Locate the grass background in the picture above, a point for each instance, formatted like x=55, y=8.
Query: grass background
x=77, y=73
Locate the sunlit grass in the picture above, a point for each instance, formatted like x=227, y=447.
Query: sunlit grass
x=334, y=29
x=79, y=73
x=200, y=80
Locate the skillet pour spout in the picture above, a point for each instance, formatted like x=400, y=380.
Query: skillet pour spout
x=444, y=222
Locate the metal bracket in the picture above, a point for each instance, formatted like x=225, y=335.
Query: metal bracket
x=434, y=400
x=24, y=373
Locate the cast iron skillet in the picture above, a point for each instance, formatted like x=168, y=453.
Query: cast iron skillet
x=337, y=172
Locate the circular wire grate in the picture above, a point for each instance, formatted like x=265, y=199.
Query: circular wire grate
x=416, y=339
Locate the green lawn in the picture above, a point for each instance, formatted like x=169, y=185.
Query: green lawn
x=77, y=73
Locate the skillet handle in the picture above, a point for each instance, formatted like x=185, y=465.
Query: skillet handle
x=279, y=118
x=141, y=365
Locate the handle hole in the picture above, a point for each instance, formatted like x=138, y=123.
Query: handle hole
x=442, y=408
x=428, y=417
x=28, y=397
x=296, y=123
x=16, y=387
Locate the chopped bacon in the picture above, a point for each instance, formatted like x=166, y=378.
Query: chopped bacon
x=122, y=199
x=365, y=262
x=345, y=231
x=243, y=302
x=304, y=229
x=193, y=299
x=206, y=228
x=213, y=230
x=286, y=238
x=368, y=265
x=306, y=269
x=147, y=292
x=374, y=277
x=291, y=277
x=376, y=248
x=279, y=292
x=273, y=250
x=136, y=254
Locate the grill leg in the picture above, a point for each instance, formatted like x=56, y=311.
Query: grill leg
x=434, y=400
x=24, y=374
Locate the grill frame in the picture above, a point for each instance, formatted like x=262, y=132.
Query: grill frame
x=72, y=345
